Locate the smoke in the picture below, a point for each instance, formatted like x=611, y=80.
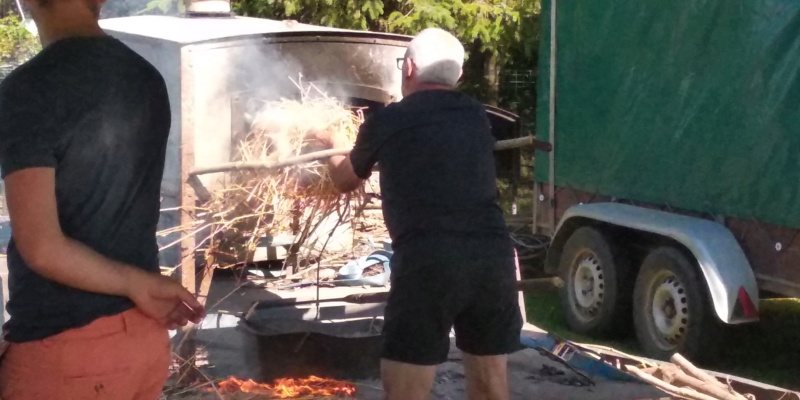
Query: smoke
x=234, y=80
x=223, y=84
x=261, y=73
x=266, y=71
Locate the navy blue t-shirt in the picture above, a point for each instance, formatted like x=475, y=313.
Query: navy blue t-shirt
x=437, y=177
x=98, y=113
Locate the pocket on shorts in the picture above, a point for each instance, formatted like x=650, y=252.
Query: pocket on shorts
x=107, y=354
x=116, y=385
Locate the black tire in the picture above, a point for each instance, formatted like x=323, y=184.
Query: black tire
x=601, y=307
x=687, y=324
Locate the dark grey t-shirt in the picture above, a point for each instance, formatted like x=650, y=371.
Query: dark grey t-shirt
x=437, y=176
x=98, y=113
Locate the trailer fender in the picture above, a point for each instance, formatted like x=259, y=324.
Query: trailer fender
x=722, y=261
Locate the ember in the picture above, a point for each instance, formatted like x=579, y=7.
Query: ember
x=288, y=388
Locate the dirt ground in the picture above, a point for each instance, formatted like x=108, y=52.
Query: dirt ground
x=228, y=350
x=531, y=375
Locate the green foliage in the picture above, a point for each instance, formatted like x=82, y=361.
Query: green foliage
x=125, y=8
x=491, y=23
x=163, y=7
x=496, y=24
x=347, y=14
x=769, y=356
x=17, y=45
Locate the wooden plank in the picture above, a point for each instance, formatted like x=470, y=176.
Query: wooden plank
x=205, y=281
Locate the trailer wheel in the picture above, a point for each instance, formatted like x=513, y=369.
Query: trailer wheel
x=593, y=296
x=671, y=310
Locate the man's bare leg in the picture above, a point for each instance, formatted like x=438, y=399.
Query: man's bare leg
x=487, y=378
x=403, y=381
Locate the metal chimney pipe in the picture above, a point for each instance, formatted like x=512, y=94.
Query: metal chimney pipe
x=208, y=8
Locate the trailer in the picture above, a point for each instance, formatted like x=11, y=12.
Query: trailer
x=671, y=194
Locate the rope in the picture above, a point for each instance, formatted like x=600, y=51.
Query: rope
x=530, y=246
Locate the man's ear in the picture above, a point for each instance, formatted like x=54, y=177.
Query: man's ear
x=410, y=67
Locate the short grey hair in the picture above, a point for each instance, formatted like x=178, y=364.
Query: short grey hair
x=438, y=55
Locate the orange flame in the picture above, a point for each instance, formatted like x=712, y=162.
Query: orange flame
x=288, y=388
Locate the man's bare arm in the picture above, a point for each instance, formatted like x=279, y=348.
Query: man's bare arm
x=31, y=199
x=342, y=173
x=340, y=168
x=30, y=194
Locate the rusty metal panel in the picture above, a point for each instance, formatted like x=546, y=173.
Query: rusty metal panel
x=774, y=252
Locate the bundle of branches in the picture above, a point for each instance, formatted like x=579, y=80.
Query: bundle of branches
x=685, y=381
x=295, y=200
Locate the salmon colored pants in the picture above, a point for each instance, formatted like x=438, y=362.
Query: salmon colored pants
x=122, y=357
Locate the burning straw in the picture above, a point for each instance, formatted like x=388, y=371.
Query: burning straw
x=289, y=388
x=253, y=204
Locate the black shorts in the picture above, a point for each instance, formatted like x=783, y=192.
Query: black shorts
x=478, y=298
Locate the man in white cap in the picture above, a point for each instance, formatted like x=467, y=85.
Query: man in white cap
x=453, y=265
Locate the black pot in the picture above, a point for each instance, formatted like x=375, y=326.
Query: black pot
x=295, y=348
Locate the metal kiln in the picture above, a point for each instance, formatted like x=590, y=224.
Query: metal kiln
x=215, y=66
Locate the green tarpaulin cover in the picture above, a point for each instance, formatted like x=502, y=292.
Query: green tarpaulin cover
x=694, y=104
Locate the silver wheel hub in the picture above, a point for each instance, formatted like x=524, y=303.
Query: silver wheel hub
x=589, y=286
x=670, y=311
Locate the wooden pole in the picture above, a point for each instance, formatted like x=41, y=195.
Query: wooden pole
x=532, y=285
x=551, y=167
x=695, y=372
x=673, y=374
x=671, y=389
x=187, y=348
x=241, y=166
x=501, y=145
x=521, y=295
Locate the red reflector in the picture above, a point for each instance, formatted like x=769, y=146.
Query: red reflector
x=749, y=309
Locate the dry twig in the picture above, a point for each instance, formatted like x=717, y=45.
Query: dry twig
x=296, y=200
